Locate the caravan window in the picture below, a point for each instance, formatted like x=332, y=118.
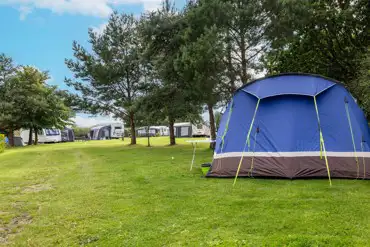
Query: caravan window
x=200, y=126
x=52, y=132
x=118, y=128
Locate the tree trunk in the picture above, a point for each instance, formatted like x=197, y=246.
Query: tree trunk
x=212, y=125
x=30, y=137
x=132, y=125
x=243, y=51
x=11, y=137
x=147, y=132
x=230, y=68
x=123, y=133
x=172, y=132
x=36, y=137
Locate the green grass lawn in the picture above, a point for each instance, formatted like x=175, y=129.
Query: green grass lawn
x=106, y=193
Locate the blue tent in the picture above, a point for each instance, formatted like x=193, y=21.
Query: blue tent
x=292, y=126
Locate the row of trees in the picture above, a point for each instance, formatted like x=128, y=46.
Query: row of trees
x=171, y=64
x=26, y=101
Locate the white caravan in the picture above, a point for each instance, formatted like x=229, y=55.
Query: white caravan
x=153, y=131
x=50, y=135
x=117, y=130
x=107, y=131
x=201, y=130
x=190, y=130
x=160, y=130
x=44, y=136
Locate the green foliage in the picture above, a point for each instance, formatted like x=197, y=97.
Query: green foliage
x=7, y=67
x=30, y=103
x=109, y=78
x=2, y=143
x=170, y=95
x=328, y=38
x=81, y=132
x=361, y=85
x=247, y=24
x=11, y=102
x=7, y=70
x=218, y=117
x=26, y=101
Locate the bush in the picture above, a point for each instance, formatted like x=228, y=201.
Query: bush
x=81, y=132
x=2, y=143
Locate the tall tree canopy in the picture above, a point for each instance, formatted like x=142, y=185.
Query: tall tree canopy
x=172, y=96
x=110, y=76
x=328, y=38
x=28, y=102
x=7, y=67
x=8, y=122
x=201, y=62
x=247, y=22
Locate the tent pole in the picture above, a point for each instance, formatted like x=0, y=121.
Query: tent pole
x=353, y=137
x=247, y=141
x=322, y=143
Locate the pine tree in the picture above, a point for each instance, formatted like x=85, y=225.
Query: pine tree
x=109, y=78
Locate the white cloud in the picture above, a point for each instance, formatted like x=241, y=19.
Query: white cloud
x=24, y=12
x=88, y=121
x=151, y=5
x=97, y=8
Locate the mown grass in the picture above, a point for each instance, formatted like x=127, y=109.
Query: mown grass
x=106, y=193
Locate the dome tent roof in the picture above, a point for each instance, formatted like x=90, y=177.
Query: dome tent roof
x=288, y=84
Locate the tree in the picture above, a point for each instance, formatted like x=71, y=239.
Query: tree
x=29, y=103
x=362, y=83
x=202, y=60
x=54, y=113
x=10, y=111
x=328, y=38
x=109, y=77
x=170, y=95
x=7, y=70
x=7, y=67
x=246, y=26
x=31, y=83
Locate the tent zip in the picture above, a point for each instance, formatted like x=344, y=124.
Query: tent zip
x=322, y=142
x=353, y=137
x=247, y=141
x=227, y=125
